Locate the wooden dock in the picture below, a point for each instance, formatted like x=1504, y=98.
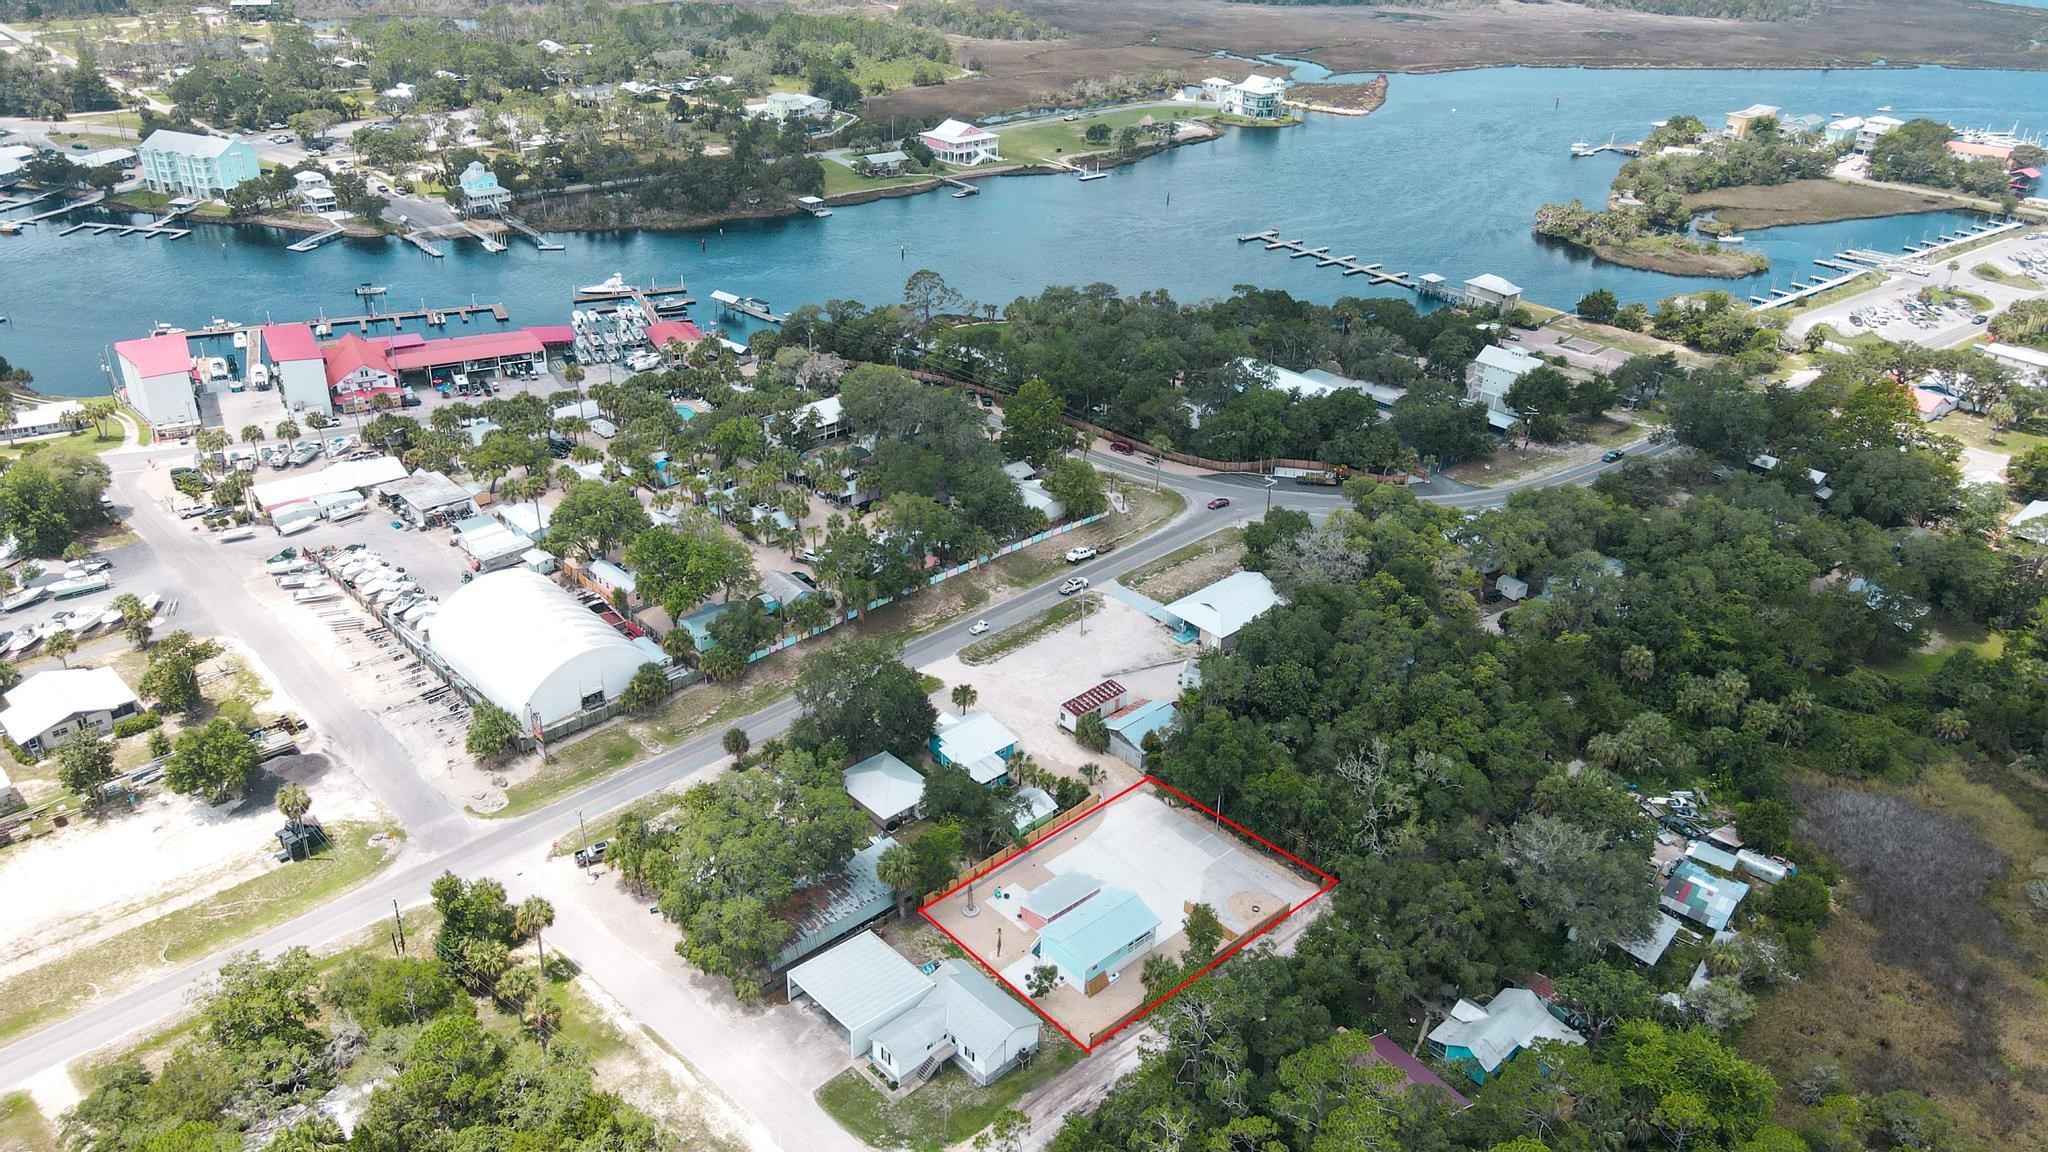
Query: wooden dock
x=1296, y=249
x=420, y=241
x=528, y=231
x=61, y=209
x=146, y=231
x=432, y=317
x=316, y=240
x=491, y=243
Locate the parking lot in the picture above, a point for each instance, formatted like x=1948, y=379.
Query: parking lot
x=1892, y=312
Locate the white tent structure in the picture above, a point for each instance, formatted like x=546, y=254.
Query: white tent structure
x=530, y=648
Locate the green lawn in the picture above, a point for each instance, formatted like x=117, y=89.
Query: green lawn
x=1137, y=577
x=22, y=1127
x=1977, y=432
x=1046, y=140
x=2000, y=276
x=839, y=180
x=949, y=1110
x=47, y=993
x=1854, y=287
x=85, y=438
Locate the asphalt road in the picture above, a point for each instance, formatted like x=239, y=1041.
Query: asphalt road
x=440, y=839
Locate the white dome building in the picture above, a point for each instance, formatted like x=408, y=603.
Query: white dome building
x=530, y=648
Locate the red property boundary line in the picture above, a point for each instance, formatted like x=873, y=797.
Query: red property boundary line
x=1328, y=882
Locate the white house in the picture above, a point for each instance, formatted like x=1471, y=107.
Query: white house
x=1844, y=130
x=298, y=367
x=156, y=377
x=1481, y=1039
x=1254, y=97
x=48, y=710
x=888, y=790
x=1216, y=614
x=46, y=419
x=1493, y=291
x=1871, y=129
x=313, y=188
x=958, y=142
x=782, y=107
x=2026, y=361
x=1495, y=371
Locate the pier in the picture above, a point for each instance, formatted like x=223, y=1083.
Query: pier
x=419, y=240
x=1296, y=249
x=1851, y=263
x=745, y=306
x=490, y=242
x=433, y=317
x=315, y=240
x=61, y=209
x=1583, y=150
x=960, y=187
x=527, y=230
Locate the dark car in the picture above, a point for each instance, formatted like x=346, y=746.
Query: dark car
x=1611, y=456
x=1220, y=502
x=1123, y=446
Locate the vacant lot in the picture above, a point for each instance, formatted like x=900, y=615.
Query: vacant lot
x=1809, y=202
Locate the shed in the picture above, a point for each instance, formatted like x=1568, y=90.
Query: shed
x=1056, y=897
x=888, y=790
x=863, y=985
x=829, y=909
x=527, y=646
x=428, y=497
x=1100, y=700
x=1712, y=857
x=1031, y=807
x=1650, y=949
x=1128, y=729
x=1763, y=867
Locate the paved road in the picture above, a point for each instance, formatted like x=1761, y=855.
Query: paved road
x=444, y=840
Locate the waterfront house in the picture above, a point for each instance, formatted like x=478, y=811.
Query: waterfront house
x=977, y=743
x=203, y=167
x=1091, y=944
x=156, y=379
x=888, y=790
x=1842, y=131
x=313, y=189
x=782, y=107
x=1213, y=616
x=298, y=367
x=358, y=370
x=1495, y=371
x=1481, y=1039
x=482, y=195
x=515, y=353
x=49, y=709
x=886, y=163
x=1254, y=97
x=958, y=142
x=1873, y=127
x=1490, y=291
x=1739, y=122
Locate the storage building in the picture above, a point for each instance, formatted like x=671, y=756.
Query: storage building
x=298, y=367
x=527, y=646
x=156, y=377
x=47, y=710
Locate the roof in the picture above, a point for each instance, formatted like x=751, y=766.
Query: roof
x=2017, y=353
x=1114, y=918
x=1031, y=806
x=1499, y=286
x=661, y=332
x=1225, y=607
x=831, y=410
x=1980, y=151
x=1261, y=85
x=463, y=349
x=2031, y=512
x=1698, y=895
x=1512, y=1020
x=886, y=157
x=47, y=699
x=284, y=343
x=427, y=491
x=186, y=144
x=340, y=476
x=817, y=909
x=162, y=355
x=1845, y=124
x=508, y=632
x=1883, y=123
x=1710, y=856
x=979, y=1015
x=478, y=180
x=1134, y=724
x=915, y=1032
x=1107, y=692
x=884, y=785
x=1650, y=949
x=783, y=588
x=1418, y=1075
x=972, y=741
x=1932, y=403
x=1756, y=110
x=352, y=352
x=1515, y=360
x=861, y=983
x=100, y=158
x=959, y=132
x=44, y=415
x=553, y=334
x=1060, y=893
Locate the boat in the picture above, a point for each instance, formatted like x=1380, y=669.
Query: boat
x=241, y=339
x=313, y=595
x=1582, y=148
x=23, y=640
x=166, y=330
x=1884, y=107
x=963, y=193
x=367, y=289
x=152, y=602
x=1730, y=239
x=297, y=526
x=239, y=532
x=110, y=618
x=10, y=228
x=615, y=285
x=82, y=586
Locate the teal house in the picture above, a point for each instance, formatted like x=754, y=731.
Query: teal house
x=482, y=195
x=1093, y=941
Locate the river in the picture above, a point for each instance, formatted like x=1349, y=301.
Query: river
x=1443, y=178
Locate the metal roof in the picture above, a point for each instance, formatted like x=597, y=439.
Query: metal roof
x=288, y=342
x=162, y=355
x=861, y=983
x=1512, y=1020
x=884, y=785
x=1225, y=607
x=1114, y=918
x=1060, y=893
x=971, y=738
x=46, y=699
x=186, y=144
x=979, y=1015
x=1107, y=692
x=463, y=349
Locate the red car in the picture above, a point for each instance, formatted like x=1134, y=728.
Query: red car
x=1219, y=502
x=1123, y=446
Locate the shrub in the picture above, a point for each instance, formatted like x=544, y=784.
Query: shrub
x=136, y=724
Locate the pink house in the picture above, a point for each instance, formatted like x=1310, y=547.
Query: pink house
x=958, y=142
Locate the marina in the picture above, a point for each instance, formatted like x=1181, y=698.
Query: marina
x=1851, y=263
x=1296, y=249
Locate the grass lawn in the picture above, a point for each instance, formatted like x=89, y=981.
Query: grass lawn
x=840, y=180
x=1231, y=539
x=85, y=439
x=1859, y=285
x=1999, y=275
x=949, y=1110
x=1639, y=343
x=46, y=993
x=22, y=1127
x=1050, y=139
x=1977, y=432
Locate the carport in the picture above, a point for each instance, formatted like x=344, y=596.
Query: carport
x=862, y=985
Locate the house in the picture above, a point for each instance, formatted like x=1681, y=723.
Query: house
x=888, y=790
x=666, y=335
x=1481, y=1039
x=976, y=742
x=1842, y=131
x=551, y=47
x=818, y=420
x=1128, y=729
x=428, y=499
x=1415, y=1072
x=46, y=419
x=1090, y=945
x=592, y=95
x=156, y=378
x=2026, y=361
x=313, y=189
x=836, y=906
x=2030, y=522
x=482, y=195
x=358, y=370
x=782, y=107
x=886, y=163
x=910, y=1024
x=1034, y=496
x=1490, y=291
x=1213, y=616
x=1031, y=807
x=1055, y=898
x=1969, y=150
x=958, y=142
x=1932, y=405
x=298, y=367
x=1650, y=949
x=1739, y=122
x=398, y=97
x=1701, y=896
x=49, y=709
x=1873, y=127
x=254, y=11
x=1100, y=700
x=1495, y=372
x=203, y=167
x=103, y=158
x=1254, y=97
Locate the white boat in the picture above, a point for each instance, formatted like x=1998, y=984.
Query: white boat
x=23, y=640
x=367, y=289
x=1731, y=239
x=1884, y=107
x=82, y=586
x=294, y=527
x=241, y=339
x=23, y=599
x=80, y=625
x=239, y=532
x=110, y=618
x=152, y=602
x=346, y=512
x=313, y=595
x=166, y=330
x=1096, y=174
x=612, y=285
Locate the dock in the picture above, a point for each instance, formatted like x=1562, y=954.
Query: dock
x=419, y=240
x=1914, y=260
x=316, y=240
x=491, y=243
x=1296, y=249
x=960, y=186
x=527, y=230
x=745, y=306
x=432, y=317
x=9, y=203
x=61, y=209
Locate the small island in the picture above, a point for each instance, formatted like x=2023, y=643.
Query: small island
x=1339, y=99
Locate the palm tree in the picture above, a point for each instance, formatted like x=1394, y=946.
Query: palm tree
x=293, y=803
x=251, y=433
x=573, y=375
x=534, y=915
x=964, y=697
x=542, y=1016
x=1951, y=725
x=287, y=430
x=134, y=617
x=62, y=645
x=897, y=867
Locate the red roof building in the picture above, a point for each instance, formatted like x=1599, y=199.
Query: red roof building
x=161, y=355
x=662, y=333
x=489, y=349
x=553, y=335
x=353, y=361
x=289, y=343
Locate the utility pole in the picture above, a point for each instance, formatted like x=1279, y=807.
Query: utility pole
x=397, y=936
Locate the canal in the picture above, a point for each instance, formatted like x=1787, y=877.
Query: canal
x=1443, y=179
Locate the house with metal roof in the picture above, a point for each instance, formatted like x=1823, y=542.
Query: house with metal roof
x=1216, y=614
x=156, y=377
x=298, y=367
x=863, y=985
x=1055, y=898
x=49, y=709
x=1091, y=944
x=888, y=790
x=836, y=906
x=1129, y=727
x=976, y=742
x=1495, y=291
x=1701, y=896
x=482, y=195
x=1101, y=700
x=1651, y=948
x=1481, y=1039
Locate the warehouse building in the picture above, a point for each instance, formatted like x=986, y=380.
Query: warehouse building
x=527, y=646
x=156, y=379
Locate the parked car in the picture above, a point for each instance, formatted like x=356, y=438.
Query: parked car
x=1612, y=455
x=594, y=854
x=1074, y=585
x=988, y=401
x=1076, y=555
x=1219, y=502
x=978, y=627
x=1124, y=447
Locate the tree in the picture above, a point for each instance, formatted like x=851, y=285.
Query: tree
x=1092, y=732
x=287, y=430
x=897, y=867
x=1077, y=485
x=85, y=764
x=680, y=567
x=541, y=1019
x=595, y=517
x=649, y=687
x=860, y=695
x=1581, y=879
x=1542, y=397
x=926, y=294
x=1599, y=306
x=135, y=618
x=214, y=762
x=493, y=733
x=2026, y=474
x=252, y=433
x=1032, y=429
x=62, y=646
x=534, y=916
x=736, y=742
x=171, y=679
x=964, y=696
x=46, y=498
x=1006, y=1134
x=293, y=803
x=1603, y=995
x=1043, y=979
